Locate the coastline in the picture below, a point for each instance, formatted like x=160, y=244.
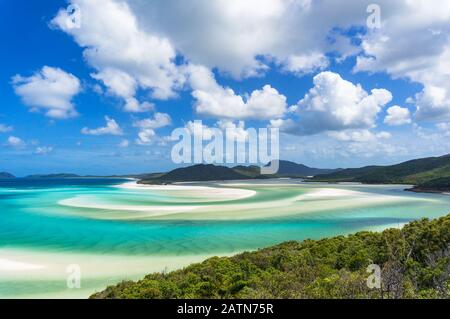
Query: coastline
x=340, y=255
x=411, y=188
x=429, y=191
x=138, y=182
x=270, y=212
x=38, y=269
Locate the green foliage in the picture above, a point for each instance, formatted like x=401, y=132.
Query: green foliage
x=249, y=171
x=291, y=169
x=211, y=172
x=415, y=263
x=412, y=172
x=199, y=172
x=439, y=185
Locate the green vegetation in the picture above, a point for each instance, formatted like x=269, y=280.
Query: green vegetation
x=211, y=172
x=415, y=263
x=435, y=185
x=249, y=171
x=413, y=172
x=291, y=169
x=201, y=172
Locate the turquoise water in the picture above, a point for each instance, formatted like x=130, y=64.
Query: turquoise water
x=49, y=223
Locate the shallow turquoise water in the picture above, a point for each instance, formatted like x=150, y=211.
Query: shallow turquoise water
x=33, y=220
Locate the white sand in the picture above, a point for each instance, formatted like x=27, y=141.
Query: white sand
x=338, y=193
x=50, y=265
x=257, y=184
x=213, y=192
x=7, y=265
x=175, y=193
x=323, y=193
x=318, y=198
x=36, y=269
x=89, y=202
x=135, y=185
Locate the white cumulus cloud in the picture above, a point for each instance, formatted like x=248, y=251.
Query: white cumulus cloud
x=123, y=85
x=397, y=115
x=335, y=104
x=111, y=128
x=414, y=43
x=125, y=56
x=246, y=38
x=300, y=64
x=147, y=127
x=360, y=136
x=241, y=37
x=15, y=141
x=49, y=90
x=213, y=100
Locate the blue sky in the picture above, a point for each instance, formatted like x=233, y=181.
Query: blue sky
x=307, y=68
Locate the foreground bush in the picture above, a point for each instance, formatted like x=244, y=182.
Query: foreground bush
x=415, y=263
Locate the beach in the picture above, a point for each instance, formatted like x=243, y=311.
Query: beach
x=118, y=230
x=34, y=274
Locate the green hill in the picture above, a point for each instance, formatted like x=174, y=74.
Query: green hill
x=413, y=172
x=197, y=173
x=435, y=185
x=291, y=169
x=202, y=172
x=414, y=261
x=249, y=171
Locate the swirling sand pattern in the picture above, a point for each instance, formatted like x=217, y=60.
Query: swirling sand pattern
x=119, y=230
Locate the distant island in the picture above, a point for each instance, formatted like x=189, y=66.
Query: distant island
x=291, y=169
x=53, y=176
x=414, y=263
x=210, y=172
x=199, y=173
x=427, y=174
x=5, y=175
x=430, y=174
x=439, y=185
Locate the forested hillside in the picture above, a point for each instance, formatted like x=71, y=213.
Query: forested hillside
x=413, y=172
x=415, y=263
